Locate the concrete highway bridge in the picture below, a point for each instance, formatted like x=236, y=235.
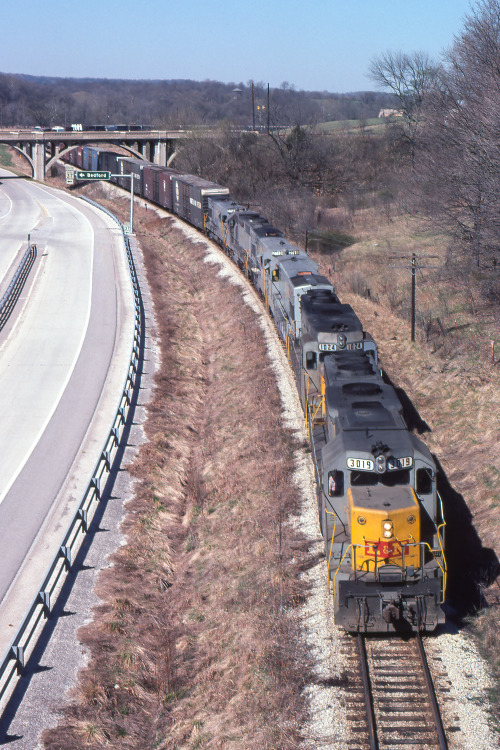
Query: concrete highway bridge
x=42, y=148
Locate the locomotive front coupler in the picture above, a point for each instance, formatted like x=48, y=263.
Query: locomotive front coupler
x=391, y=607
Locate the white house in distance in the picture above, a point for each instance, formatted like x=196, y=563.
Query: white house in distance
x=390, y=113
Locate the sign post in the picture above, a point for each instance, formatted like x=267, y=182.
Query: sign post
x=131, y=178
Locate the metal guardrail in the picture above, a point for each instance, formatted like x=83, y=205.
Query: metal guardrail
x=16, y=285
x=26, y=637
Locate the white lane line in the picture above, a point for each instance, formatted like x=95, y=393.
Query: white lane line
x=7, y=197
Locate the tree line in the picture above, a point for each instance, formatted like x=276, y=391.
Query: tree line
x=46, y=102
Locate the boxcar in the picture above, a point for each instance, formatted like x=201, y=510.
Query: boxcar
x=190, y=196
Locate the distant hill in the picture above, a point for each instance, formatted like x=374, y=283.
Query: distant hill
x=27, y=100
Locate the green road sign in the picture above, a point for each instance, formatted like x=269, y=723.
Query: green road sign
x=92, y=175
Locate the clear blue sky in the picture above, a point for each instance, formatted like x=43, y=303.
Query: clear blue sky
x=314, y=45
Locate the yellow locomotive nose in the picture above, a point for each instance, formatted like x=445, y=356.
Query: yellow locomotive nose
x=384, y=525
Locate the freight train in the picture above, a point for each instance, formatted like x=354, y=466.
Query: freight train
x=380, y=514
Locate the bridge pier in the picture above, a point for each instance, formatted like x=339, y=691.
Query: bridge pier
x=38, y=156
x=160, y=153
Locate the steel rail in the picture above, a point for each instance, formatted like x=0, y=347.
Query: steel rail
x=443, y=743
x=375, y=741
x=367, y=691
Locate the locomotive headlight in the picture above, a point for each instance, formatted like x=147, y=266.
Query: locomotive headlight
x=388, y=529
x=380, y=464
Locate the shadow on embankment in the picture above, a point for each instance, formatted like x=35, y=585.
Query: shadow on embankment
x=471, y=567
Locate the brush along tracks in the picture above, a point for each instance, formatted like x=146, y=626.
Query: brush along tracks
x=389, y=695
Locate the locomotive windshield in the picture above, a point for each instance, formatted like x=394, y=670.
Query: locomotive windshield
x=389, y=478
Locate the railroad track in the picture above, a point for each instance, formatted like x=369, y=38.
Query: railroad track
x=390, y=697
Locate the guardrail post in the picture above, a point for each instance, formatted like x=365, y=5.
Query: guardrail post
x=17, y=653
x=82, y=515
x=107, y=458
x=44, y=597
x=66, y=553
x=96, y=484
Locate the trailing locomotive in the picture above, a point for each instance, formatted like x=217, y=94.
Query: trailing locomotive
x=380, y=513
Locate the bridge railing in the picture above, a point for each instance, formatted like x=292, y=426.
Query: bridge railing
x=25, y=639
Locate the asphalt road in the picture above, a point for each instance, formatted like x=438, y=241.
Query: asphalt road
x=63, y=362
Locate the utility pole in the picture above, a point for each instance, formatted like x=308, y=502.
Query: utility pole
x=253, y=108
x=268, y=109
x=413, y=284
x=413, y=266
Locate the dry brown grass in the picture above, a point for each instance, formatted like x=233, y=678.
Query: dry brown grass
x=193, y=645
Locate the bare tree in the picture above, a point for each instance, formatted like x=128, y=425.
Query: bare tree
x=409, y=77
x=460, y=162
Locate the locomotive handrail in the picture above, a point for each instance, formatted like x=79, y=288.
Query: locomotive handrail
x=331, y=513
x=26, y=636
x=423, y=545
x=442, y=567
